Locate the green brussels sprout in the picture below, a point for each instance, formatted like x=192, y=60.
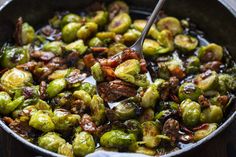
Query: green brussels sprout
x=120, y=23
x=69, y=32
x=83, y=95
x=133, y=127
x=150, y=97
x=166, y=41
x=100, y=18
x=140, y=24
x=87, y=87
x=205, y=131
x=15, y=78
x=27, y=33
x=141, y=80
x=185, y=43
x=189, y=91
x=41, y=120
x=55, y=21
x=151, y=47
x=116, y=48
x=117, y=139
x=190, y=112
x=192, y=65
x=55, y=87
x=64, y=120
x=226, y=83
x=5, y=99
x=207, y=81
x=212, y=114
x=170, y=23
x=66, y=150
x=158, y=82
x=150, y=131
x=51, y=141
x=12, y=56
x=131, y=36
x=77, y=46
x=55, y=47
x=87, y=30
x=83, y=144
x=106, y=35
x=58, y=74
x=97, y=73
x=95, y=42
x=147, y=115
x=70, y=18
x=211, y=52
x=97, y=108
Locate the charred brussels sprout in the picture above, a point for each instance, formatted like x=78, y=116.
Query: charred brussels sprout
x=150, y=97
x=211, y=52
x=133, y=127
x=117, y=139
x=69, y=32
x=120, y=23
x=116, y=48
x=55, y=87
x=100, y=18
x=205, y=131
x=170, y=23
x=70, y=18
x=97, y=108
x=51, y=141
x=165, y=39
x=190, y=112
x=97, y=73
x=83, y=95
x=27, y=33
x=189, y=91
x=77, y=46
x=55, y=47
x=207, y=81
x=87, y=30
x=147, y=115
x=185, y=43
x=83, y=144
x=227, y=83
x=212, y=114
x=66, y=150
x=192, y=65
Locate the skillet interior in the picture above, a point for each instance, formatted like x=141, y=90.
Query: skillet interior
x=213, y=18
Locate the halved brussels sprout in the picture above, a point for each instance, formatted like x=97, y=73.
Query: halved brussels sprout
x=77, y=46
x=95, y=42
x=116, y=48
x=27, y=33
x=58, y=74
x=97, y=72
x=212, y=114
x=133, y=127
x=205, y=131
x=97, y=108
x=140, y=24
x=55, y=47
x=87, y=30
x=211, y=52
x=4, y=100
x=165, y=38
x=66, y=150
x=120, y=23
x=150, y=131
x=189, y=91
x=106, y=35
x=150, y=97
x=117, y=139
x=83, y=95
x=192, y=65
x=170, y=23
x=55, y=87
x=87, y=87
x=131, y=36
x=227, y=83
x=207, y=81
x=51, y=141
x=185, y=43
x=151, y=47
x=100, y=18
x=147, y=115
x=127, y=70
x=69, y=32
x=70, y=18
x=83, y=144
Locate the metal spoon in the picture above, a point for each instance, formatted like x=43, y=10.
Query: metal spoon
x=137, y=46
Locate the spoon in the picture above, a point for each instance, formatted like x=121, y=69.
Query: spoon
x=137, y=47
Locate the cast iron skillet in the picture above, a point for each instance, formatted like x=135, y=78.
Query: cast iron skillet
x=211, y=16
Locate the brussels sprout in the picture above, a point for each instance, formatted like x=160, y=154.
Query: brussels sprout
x=170, y=23
x=141, y=80
x=205, y=131
x=55, y=47
x=64, y=121
x=12, y=56
x=211, y=52
x=166, y=41
x=117, y=139
x=185, y=43
x=55, y=21
x=66, y=150
x=226, y=83
x=15, y=78
x=51, y=141
x=97, y=108
x=100, y=18
x=69, y=32
x=5, y=99
x=151, y=47
x=207, y=81
x=41, y=120
x=87, y=30
x=27, y=33
x=97, y=72
x=117, y=7
x=83, y=95
x=120, y=23
x=106, y=35
x=95, y=42
x=163, y=115
x=212, y=114
x=58, y=74
x=116, y=48
x=147, y=115
x=150, y=131
x=192, y=64
x=83, y=144
x=70, y=18
x=189, y=91
x=87, y=87
x=190, y=112
x=158, y=82
x=131, y=36
x=77, y=46
x=140, y=24
x=133, y=127
x=55, y=87
x=150, y=97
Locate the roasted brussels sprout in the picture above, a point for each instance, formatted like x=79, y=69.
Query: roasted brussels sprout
x=66, y=150
x=69, y=32
x=5, y=99
x=190, y=112
x=151, y=47
x=100, y=18
x=170, y=23
x=55, y=47
x=140, y=24
x=207, y=81
x=150, y=97
x=165, y=39
x=77, y=46
x=12, y=56
x=95, y=42
x=133, y=127
x=211, y=52
x=227, y=83
x=131, y=36
x=83, y=95
x=41, y=120
x=189, y=91
x=88, y=87
x=97, y=108
x=97, y=72
x=205, y=131
x=116, y=48
x=147, y=115
x=212, y=114
x=87, y=30
x=83, y=144
x=51, y=141
x=55, y=87
x=192, y=65
x=27, y=34
x=117, y=139
x=58, y=74
x=106, y=35
x=70, y=18
x=120, y=23
x=185, y=43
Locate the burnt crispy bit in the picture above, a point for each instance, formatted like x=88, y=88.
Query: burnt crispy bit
x=171, y=128
x=87, y=124
x=77, y=106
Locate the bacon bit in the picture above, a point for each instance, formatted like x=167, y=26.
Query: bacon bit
x=143, y=66
x=7, y=120
x=178, y=72
x=224, y=99
x=89, y=60
x=110, y=62
x=18, y=31
x=129, y=54
x=87, y=124
x=203, y=126
x=108, y=71
x=99, y=49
